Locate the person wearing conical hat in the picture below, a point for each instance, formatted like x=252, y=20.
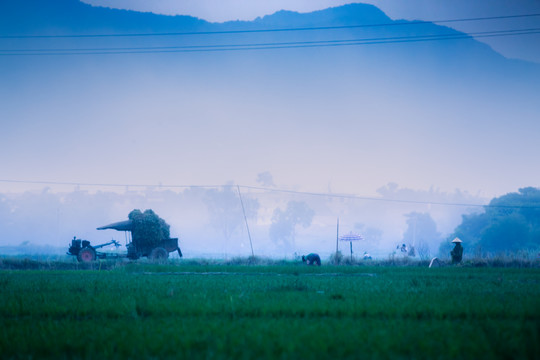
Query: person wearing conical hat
x=457, y=252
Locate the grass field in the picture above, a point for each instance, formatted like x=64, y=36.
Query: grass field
x=280, y=311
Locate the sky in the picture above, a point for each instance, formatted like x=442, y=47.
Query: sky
x=88, y=121
x=426, y=118
x=525, y=48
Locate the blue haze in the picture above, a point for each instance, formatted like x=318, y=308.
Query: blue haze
x=448, y=114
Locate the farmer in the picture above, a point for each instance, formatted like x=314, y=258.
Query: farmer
x=367, y=256
x=312, y=259
x=457, y=252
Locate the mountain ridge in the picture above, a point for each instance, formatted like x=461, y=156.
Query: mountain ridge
x=73, y=17
x=76, y=18
x=32, y=17
x=79, y=11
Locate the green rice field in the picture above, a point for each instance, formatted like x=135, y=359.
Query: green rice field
x=171, y=311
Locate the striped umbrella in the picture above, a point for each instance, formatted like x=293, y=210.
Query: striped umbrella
x=350, y=237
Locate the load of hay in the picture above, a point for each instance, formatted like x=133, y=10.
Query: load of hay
x=148, y=229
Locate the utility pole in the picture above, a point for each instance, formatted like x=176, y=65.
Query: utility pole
x=245, y=219
x=337, y=236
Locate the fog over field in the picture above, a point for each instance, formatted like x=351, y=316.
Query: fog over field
x=359, y=116
x=210, y=221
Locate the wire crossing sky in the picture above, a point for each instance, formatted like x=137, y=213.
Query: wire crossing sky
x=269, y=189
x=264, y=46
x=270, y=30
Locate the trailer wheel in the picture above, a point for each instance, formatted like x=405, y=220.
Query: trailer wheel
x=159, y=254
x=86, y=254
x=132, y=253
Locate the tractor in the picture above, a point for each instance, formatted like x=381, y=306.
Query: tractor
x=85, y=252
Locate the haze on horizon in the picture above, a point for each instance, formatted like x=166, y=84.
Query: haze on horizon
x=94, y=122
x=445, y=121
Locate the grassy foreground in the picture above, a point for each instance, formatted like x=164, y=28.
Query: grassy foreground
x=257, y=312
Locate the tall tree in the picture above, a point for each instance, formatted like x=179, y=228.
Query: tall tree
x=225, y=209
x=284, y=222
x=421, y=233
x=509, y=223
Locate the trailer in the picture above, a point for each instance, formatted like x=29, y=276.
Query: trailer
x=85, y=252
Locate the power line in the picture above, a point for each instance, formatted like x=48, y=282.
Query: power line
x=397, y=23
x=265, y=46
x=67, y=183
x=356, y=197
x=267, y=189
x=295, y=43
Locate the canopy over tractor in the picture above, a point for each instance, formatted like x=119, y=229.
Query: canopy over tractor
x=120, y=226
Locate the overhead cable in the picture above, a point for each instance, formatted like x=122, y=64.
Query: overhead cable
x=263, y=46
x=272, y=189
x=396, y=23
x=292, y=43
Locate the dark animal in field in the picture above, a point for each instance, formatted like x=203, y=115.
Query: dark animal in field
x=312, y=259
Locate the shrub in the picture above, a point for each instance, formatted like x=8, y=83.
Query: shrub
x=336, y=258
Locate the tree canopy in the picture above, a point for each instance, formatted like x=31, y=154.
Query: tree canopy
x=225, y=209
x=509, y=223
x=283, y=228
x=421, y=233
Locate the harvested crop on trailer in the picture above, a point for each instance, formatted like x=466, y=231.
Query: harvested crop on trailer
x=148, y=228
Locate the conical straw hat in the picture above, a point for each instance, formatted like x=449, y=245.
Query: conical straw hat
x=456, y=240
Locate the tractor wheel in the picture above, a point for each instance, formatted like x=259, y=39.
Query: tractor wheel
x=86, y=254
x=159, y=254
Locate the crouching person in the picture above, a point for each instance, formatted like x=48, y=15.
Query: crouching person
x=312, y=259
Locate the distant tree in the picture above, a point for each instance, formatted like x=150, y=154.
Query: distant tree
x=372, y=236
x=225, y=209
x=265, y=179
x=510, y=232
x=421, y=233
x=509, y=223
x=284, y=222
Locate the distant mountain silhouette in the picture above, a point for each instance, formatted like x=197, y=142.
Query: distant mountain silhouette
x=68, y=17
x=61, y=17
x=40, y=17
x=440, y=58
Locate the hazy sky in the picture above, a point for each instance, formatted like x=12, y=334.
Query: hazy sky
x=523, y=47
x=350, y=120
